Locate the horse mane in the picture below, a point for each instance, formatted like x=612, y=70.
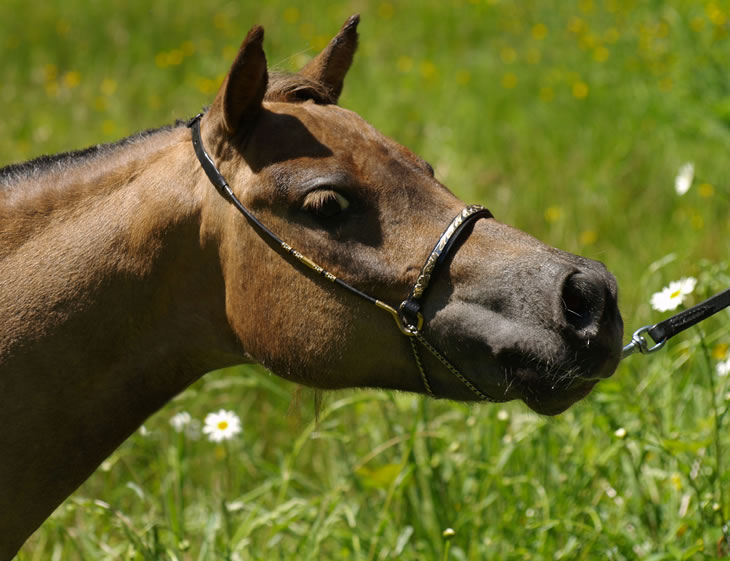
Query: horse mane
x=291, y=88
x=14, y=173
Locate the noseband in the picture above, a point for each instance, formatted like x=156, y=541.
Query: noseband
x=408, y=316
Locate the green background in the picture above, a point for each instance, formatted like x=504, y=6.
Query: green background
x=569, y=120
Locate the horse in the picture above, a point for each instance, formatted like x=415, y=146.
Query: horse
x=131, y=269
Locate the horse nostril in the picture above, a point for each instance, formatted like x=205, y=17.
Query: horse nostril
x=583, y=300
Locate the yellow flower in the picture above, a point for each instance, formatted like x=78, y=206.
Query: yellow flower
x=697, y=221
x=404, y=63
x=716, y=15
x=385, y=10
x=50, y=72
x=676, y=480
x=221, y=21
x=508, y=55
x=586, y=6
x=108, y=86
x=51, y=89
x=706, y=190
x=229, y=52
x=306, y=30
x=539, y=31
x=320, y=42
x=719, y=351
x=580, y=90
x=576, y=25
x=463, y=77
x=206, y=85
x=553, y=213
x=547, y=93
x=600, y=53
x=175, y=57
x=188, y=48
x=161, y=60
x=611, y=35
x=72, y=79
x=428, y=69
x=108, y=127
x=588, y=237
x=509, y=81
x=63, y=27
x=291, y=15
x=666, y=84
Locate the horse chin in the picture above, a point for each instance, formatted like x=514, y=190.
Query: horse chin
x=551, y=400
x=550, y=391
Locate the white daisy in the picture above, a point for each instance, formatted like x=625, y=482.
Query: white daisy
x=220, y=426
x=180, y=421
x=723, y=368
x=670, y=297
x=684, y=178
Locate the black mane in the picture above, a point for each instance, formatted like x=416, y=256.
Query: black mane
x=15, y=172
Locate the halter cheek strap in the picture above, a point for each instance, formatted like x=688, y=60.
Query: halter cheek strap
x=410, y=308
x=408, y=317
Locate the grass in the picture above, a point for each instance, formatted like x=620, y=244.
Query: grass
x=569, y=120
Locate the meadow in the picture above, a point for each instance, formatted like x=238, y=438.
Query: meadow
x=569, y=120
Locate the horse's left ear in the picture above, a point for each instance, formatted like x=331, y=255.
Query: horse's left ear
x=239, y=98
x=330, y=66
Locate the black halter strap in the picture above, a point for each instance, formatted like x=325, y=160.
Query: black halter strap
x=408, y=317
x=410, y=308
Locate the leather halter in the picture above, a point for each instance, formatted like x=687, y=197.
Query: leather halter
x=408, y=316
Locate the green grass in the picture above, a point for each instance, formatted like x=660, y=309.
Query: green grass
x=570, y=121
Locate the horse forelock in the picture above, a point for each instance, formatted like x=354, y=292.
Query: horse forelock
x=295, y=88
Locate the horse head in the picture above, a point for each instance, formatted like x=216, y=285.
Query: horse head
x=513, y=317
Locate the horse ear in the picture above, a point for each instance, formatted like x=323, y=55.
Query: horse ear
x=330, y=66
x=239, y=98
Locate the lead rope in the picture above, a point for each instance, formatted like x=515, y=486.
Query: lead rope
x=664, y=330
x=409, y=326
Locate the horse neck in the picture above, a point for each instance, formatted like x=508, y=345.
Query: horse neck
x=112, y=302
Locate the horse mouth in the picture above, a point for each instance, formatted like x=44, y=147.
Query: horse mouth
x=555, y=399
x=550, y=389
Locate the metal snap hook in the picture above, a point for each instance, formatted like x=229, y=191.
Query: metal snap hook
x=639, y=344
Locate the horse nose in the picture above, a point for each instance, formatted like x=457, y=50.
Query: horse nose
x=584, y=299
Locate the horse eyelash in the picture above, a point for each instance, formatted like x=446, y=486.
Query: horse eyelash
x=316, y=200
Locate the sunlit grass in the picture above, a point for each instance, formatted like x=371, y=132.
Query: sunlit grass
x=570, y=120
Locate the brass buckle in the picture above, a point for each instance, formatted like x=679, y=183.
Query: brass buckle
x=405, y=328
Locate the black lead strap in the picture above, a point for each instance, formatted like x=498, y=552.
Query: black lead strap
x=664, y=330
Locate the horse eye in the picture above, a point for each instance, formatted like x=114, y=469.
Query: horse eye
x=325, y=203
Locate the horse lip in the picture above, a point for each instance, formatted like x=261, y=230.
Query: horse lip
x=549, y=389
x=555, y=404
